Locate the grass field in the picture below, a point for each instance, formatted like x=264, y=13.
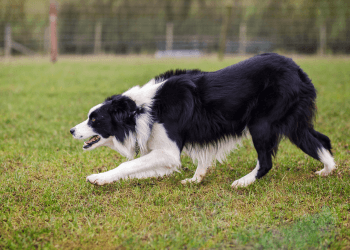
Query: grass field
x=45, y=202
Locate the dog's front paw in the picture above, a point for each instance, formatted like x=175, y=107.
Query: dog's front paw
x=190, y=180
x=98, y=179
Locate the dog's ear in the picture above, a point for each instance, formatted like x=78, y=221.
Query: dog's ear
x=122, y=109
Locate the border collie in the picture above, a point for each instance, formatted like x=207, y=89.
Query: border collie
x=205, y=115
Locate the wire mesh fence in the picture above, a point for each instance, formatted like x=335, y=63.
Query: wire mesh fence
x=148, y=26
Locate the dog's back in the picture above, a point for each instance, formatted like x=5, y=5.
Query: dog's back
x=210, y=105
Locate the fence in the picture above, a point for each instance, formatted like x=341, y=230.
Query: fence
x=125, y=27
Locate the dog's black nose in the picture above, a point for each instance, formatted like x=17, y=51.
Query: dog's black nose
x=72, y=130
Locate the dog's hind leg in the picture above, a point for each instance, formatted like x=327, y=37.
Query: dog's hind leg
x=247, y=179
x=317, y=146
x=265, y=143
x=328, y=161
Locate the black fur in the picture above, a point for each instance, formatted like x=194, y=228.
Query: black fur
x=269, y=94
x=177, y=72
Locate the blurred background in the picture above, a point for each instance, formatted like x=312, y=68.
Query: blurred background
x=194, y=27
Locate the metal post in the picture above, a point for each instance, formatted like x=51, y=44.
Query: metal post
x=224, y=29
x=8, y=40
x=47, y=40
x=169, y=36
x=242, y=38
x=98, y=37
x=323, y=40
x=53, y=29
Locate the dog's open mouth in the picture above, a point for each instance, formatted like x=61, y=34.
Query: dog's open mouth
x=91, y=141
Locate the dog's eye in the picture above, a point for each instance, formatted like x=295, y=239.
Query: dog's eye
x=93, y=119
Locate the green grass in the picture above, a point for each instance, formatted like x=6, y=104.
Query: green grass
x=46, y=203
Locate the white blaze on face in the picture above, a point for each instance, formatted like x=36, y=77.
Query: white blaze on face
x=83, y=130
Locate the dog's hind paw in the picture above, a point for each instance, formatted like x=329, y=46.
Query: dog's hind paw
x=325, y=172
x=244, y=181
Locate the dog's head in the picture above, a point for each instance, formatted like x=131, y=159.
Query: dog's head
x=112, y=120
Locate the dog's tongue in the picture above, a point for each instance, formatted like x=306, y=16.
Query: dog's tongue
x=92, y=139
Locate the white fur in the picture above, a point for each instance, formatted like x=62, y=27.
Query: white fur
x=328, y=161
x=205, y=155
x=151, y=82
x=143, y=98
x=247, y=179
x=126, y=148
x=83, y=131
x=163, y=159
x=143, y=131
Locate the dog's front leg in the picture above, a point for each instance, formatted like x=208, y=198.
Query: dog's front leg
x=158, y=162
x=198, y=176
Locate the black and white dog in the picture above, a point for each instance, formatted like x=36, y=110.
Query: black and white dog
x=205, y=114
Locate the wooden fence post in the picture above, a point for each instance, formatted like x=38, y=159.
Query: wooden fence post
x=8, y=40
x=224, y=29
x=53, y=29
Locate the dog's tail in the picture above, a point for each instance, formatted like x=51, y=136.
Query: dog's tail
x=298, y=110
x=303, y=133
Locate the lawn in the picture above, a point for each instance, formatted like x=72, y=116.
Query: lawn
x=45, y=202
